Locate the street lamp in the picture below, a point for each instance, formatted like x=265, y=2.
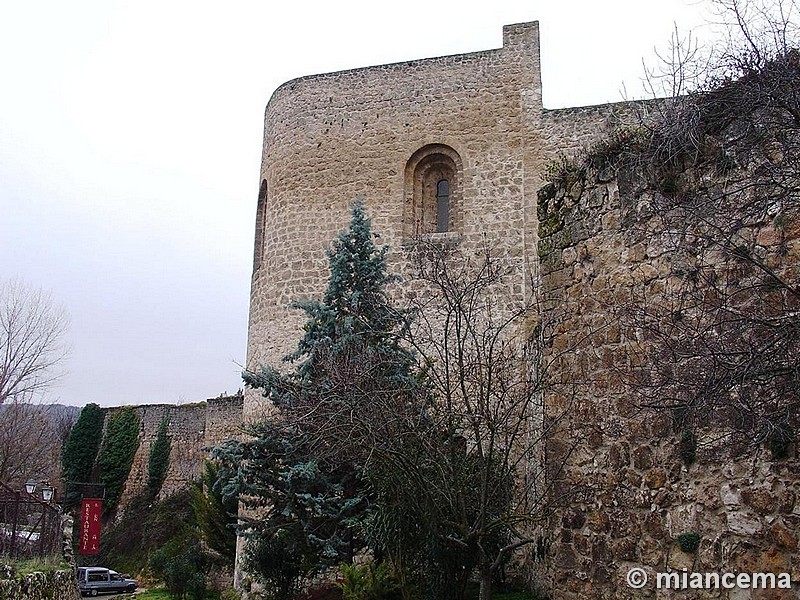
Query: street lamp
x=47, y=489
x=47, y=492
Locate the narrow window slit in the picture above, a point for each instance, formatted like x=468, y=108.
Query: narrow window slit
x=443, y=206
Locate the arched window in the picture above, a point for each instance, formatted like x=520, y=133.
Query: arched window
x=261, y=226
x=432, y=177
x=443, y=206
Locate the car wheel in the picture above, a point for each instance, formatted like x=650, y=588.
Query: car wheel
x=131, y=589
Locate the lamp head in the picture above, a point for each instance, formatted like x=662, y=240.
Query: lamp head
x=47, y=492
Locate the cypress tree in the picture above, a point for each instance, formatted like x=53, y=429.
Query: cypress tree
x=215, y=513
x=80, y=450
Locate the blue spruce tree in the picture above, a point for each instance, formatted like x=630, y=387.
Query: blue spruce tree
x=304, y=469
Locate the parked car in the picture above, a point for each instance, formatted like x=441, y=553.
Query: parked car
x=99, y=580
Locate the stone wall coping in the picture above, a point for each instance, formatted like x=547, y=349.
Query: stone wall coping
x=508, y=42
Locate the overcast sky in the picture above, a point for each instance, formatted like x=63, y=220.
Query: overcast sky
x=130, y=142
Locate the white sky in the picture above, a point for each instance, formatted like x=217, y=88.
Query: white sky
x=130, y=135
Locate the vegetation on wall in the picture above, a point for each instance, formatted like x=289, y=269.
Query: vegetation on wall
x=180, y=538
x=727, y=337
x=116, y=454
x=80, y=450
x=689, y=542
x=144, y=527
x=158, y=460
x=710, y=180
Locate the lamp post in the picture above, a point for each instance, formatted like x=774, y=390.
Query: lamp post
x=47, y=490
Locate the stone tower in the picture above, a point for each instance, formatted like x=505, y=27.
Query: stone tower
x=390, y=134
x=449, y=148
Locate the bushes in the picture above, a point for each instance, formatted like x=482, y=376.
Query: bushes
x=145, y=527
x=369, y=582
x=165, y=536
x=183, y=566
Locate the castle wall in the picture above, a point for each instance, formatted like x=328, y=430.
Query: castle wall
x=223, y=419
x=332, y=138
x=192, y=429
x=631, y=491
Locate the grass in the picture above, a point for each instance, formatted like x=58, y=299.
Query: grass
x=44, y=564
x=154, y=595
x=516, y=594
x=162, y=594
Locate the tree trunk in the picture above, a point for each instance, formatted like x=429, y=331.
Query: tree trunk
x=486, y=583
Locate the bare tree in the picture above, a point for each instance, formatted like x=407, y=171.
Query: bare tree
x=32, y=331
x=482, y=352
x=31, y=438
x=721, y=198
x=32, y=348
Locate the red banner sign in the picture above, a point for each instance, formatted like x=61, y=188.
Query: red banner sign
x=91, y=510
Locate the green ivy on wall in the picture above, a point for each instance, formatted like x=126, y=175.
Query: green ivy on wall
x=116, y=455
x=158, y=461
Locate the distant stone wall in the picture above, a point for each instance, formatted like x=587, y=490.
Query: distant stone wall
x=53, y=585
x=223, y=419
x=630, y=492
x=192, y=429
x=568, y=131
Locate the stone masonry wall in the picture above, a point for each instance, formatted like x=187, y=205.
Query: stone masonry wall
x=329, y=139
x=631, y=493
x=582, y=248
x=192, y=428
x=332, y=138
x=60, y=585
